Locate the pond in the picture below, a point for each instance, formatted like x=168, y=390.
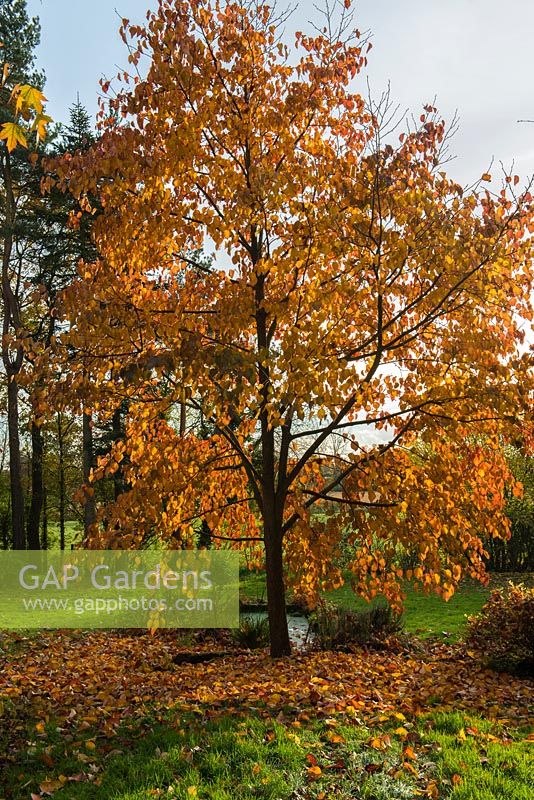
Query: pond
x=299, y=627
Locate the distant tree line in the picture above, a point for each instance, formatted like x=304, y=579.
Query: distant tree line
x=44, y=459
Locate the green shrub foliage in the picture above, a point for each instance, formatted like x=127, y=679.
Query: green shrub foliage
x=334, y=627
x=253, y=632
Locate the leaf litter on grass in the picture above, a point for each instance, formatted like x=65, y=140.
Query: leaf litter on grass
x=86, y=687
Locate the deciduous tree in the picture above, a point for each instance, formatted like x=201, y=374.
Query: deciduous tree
x=355, y=284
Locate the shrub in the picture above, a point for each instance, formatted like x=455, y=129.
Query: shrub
x=253, y=632
x=503, y=632
x=334, y=627
x=516, y=554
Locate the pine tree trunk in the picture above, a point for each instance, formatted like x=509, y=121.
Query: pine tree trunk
x=89, y=509
x=36, y=505
x=61, y=466
x=12, y=361
x=15, y=467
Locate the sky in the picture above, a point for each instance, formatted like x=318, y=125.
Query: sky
x=475, y=57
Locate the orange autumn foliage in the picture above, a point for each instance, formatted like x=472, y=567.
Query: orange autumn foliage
x=354, y=284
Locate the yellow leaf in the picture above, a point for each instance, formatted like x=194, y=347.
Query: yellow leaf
x=28, y=97
x=13, y=134
x=380, y=742
x=40, y=123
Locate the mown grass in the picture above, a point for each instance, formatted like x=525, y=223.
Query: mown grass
x=486, y=769
x=427, y=615
x=239, y=757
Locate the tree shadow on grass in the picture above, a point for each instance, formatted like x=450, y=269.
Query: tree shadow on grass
x=198, y=754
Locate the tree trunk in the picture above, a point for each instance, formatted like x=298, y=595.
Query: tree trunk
x=204, y=537
x=89, y=509
x=276, y=592
x=5, y=530
x=44, y=539
x=118, y=482
x=36, y=504
x=271, y=501
x=61, y=483
x=15, y=466
x=12, y=360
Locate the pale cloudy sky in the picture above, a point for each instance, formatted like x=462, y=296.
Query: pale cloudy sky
x=474, y=56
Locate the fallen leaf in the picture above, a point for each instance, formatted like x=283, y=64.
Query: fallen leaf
x=314, y=772
x=49, y=787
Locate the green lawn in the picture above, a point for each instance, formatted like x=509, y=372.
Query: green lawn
x=239, y=757
x=428, y=615
x=73, y=534
x=489, y=770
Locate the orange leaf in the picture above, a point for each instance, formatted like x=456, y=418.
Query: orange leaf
x=314, y=772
